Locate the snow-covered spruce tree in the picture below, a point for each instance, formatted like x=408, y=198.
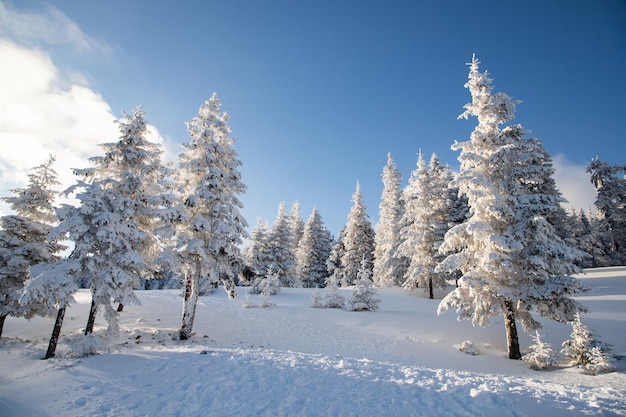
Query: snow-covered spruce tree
x=541, y=355
x=281, y=247
x=104, y=240
x=333, y=263
x=510, y=257
x=364, y=295
x=313, y=252
x=389, y=265
x=429, y=214
x=257, y=253
x=610, y=184
x=592, y=238
x=207, y=225
x=133, y=169
x=24, y=241
x=358, y=241
x=585, y=350
x=296, y=224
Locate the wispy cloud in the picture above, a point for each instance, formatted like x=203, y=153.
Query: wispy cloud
x=574, y=183
x=49, y=27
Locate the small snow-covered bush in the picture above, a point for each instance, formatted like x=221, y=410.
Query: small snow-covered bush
x=541, y=355
x=585, y=350
x=269, y=284
x=600, y=362
x=364, y=294
x=86, y=345
x=328, y=297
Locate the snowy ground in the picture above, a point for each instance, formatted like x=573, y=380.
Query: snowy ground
x=292, y=360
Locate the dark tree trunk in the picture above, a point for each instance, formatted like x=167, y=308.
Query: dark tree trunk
x=512, y=339
x=56, y=331
x=430, y=289
x=2, y=323
x=92, y=318
x=120, y=307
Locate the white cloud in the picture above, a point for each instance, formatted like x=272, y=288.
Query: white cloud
x=51, y=27
x=574, y=183
x=40, y=118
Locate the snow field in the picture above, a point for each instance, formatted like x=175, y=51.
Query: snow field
x=293, y=360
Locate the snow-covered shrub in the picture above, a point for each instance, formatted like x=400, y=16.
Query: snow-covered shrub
x=541, y=355
x=600, y=362
x=266, y=285
x=364, y=294
x=469, y=348
x=578, y=347
x=86, y=345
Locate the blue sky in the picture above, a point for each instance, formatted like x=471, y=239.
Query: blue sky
x=318, y=92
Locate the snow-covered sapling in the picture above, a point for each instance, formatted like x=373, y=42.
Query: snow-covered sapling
x=364, y=294
x=541, y=355
x=586, y=351
x=328, y=297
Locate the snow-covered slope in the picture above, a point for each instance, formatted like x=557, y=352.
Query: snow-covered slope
x=293, y=360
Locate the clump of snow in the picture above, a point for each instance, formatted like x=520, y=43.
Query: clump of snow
x=468, y=347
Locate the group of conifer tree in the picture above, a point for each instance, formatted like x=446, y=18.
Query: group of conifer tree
x=497, y=229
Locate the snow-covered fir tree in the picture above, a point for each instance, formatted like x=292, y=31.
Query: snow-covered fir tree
x=511, y=259
x=541, y=355
x=364, y=295
x=610, y=184
x=429, y=214
x=104, y=240
x=357, y=240
x=296, y=224
x=389, y=265
x=586, y=350
x=121, y=194
x=313, y=252
x=206, y=223
x=24, y=242
x=133, y=169
x=258, y=256
x=333, y=263
x=281, y=247
x=587, y=234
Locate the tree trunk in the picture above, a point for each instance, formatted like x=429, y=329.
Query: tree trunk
x=2, y=323
x=120, y=307
x=56, y=331
x=92, y=318
x=189, y=303
x=512, y=339
x=430, y=289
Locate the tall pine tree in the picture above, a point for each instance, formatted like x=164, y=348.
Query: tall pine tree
x=389, y=265
x=430, y=214
x=207, y=225
x=511, y=259
x=24, y=241
x=357, y=240
x=282, y=249
x=313, y=252
x=610, y=184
